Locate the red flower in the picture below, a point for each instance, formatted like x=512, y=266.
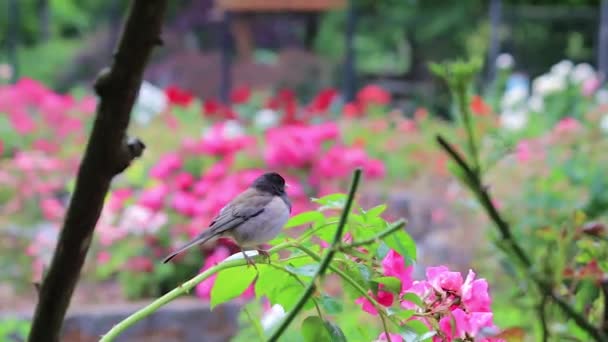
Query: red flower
x=240, y=94
x=479, y=107
x=373, y=94
x=322, y=101
x=178, y=96
x=211, y=107
x=351, y=110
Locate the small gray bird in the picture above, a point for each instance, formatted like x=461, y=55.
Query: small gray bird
x=253, y=217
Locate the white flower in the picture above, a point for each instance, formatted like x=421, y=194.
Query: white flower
x=504, y=61
x=514, y=120
x=6, y=71
x=601, y=96
x=150, y=101
x=548, y=83
x=265, y=119
x=233, y=129
x=536, y=103
x=604, y=124
x=562, y=68
x=582, y=72
x=138, y=219
x=513, y=97
x=272, y=317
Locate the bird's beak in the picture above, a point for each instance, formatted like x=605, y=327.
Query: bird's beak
x=287, y=185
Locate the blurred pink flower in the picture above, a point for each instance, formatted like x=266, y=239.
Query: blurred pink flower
x=590, y=85
x=154, y=197
x=339, y=161
x=21, y=121
x=51, y=208
x=140, y=264
x=118, y=198
x=87, y=105
x=224, y=138
x=183, y=202
x=203, y=289
x=394, y=337
x=45, y=146
x=407, y=126
x=103, y=257
x=523, y=151
x=567, y=125
x=184, y=180
x=166, y=165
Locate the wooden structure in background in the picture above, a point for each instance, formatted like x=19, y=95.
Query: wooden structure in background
x=237, y=22
x=280, y=5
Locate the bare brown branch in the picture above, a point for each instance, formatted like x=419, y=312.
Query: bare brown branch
x=108, y=153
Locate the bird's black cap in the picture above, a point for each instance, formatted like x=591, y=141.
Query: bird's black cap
x=271, y=182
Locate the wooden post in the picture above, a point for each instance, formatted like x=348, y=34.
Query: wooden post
x=349, y=62
x=495, y=13
x=225, y=68
x=602, y=51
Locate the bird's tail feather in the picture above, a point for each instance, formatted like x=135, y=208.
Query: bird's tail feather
x=202, y=238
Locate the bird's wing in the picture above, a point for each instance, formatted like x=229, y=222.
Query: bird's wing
x=245, y=206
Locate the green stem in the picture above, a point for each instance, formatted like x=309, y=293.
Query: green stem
x=301, y=282
x=353, y=283
x=256, y=325
x=388, y=231
x=474, y=182
x=177, y=292
x=324, y=263
x=463, y=104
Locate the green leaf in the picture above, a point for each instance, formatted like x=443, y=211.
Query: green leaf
x=267, y=280
x=314, y=329
x=231, y=283
x=336, y=333
x=401, y=242
x=330, y=304
x=332, y=198
x=375, y=211
x=334, y=201
x=415, y=331
x=303, y=218
x=413, y=298
x=401, y=314
x=306, y=270
x=391, y=283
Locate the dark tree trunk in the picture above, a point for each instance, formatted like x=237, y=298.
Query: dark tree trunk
x=44, y=16
x=108, y=153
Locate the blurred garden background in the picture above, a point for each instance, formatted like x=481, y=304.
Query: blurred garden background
x=313, y=89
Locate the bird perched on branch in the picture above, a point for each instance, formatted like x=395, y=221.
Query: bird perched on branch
x=253, y=217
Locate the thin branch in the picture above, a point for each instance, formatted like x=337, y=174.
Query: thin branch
x=108, y=152
x=542, y=314
x=300, y=281
x=475, y=185
x=388, y=231
x=179, y=291
x=324, y=263
x=604, y=286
